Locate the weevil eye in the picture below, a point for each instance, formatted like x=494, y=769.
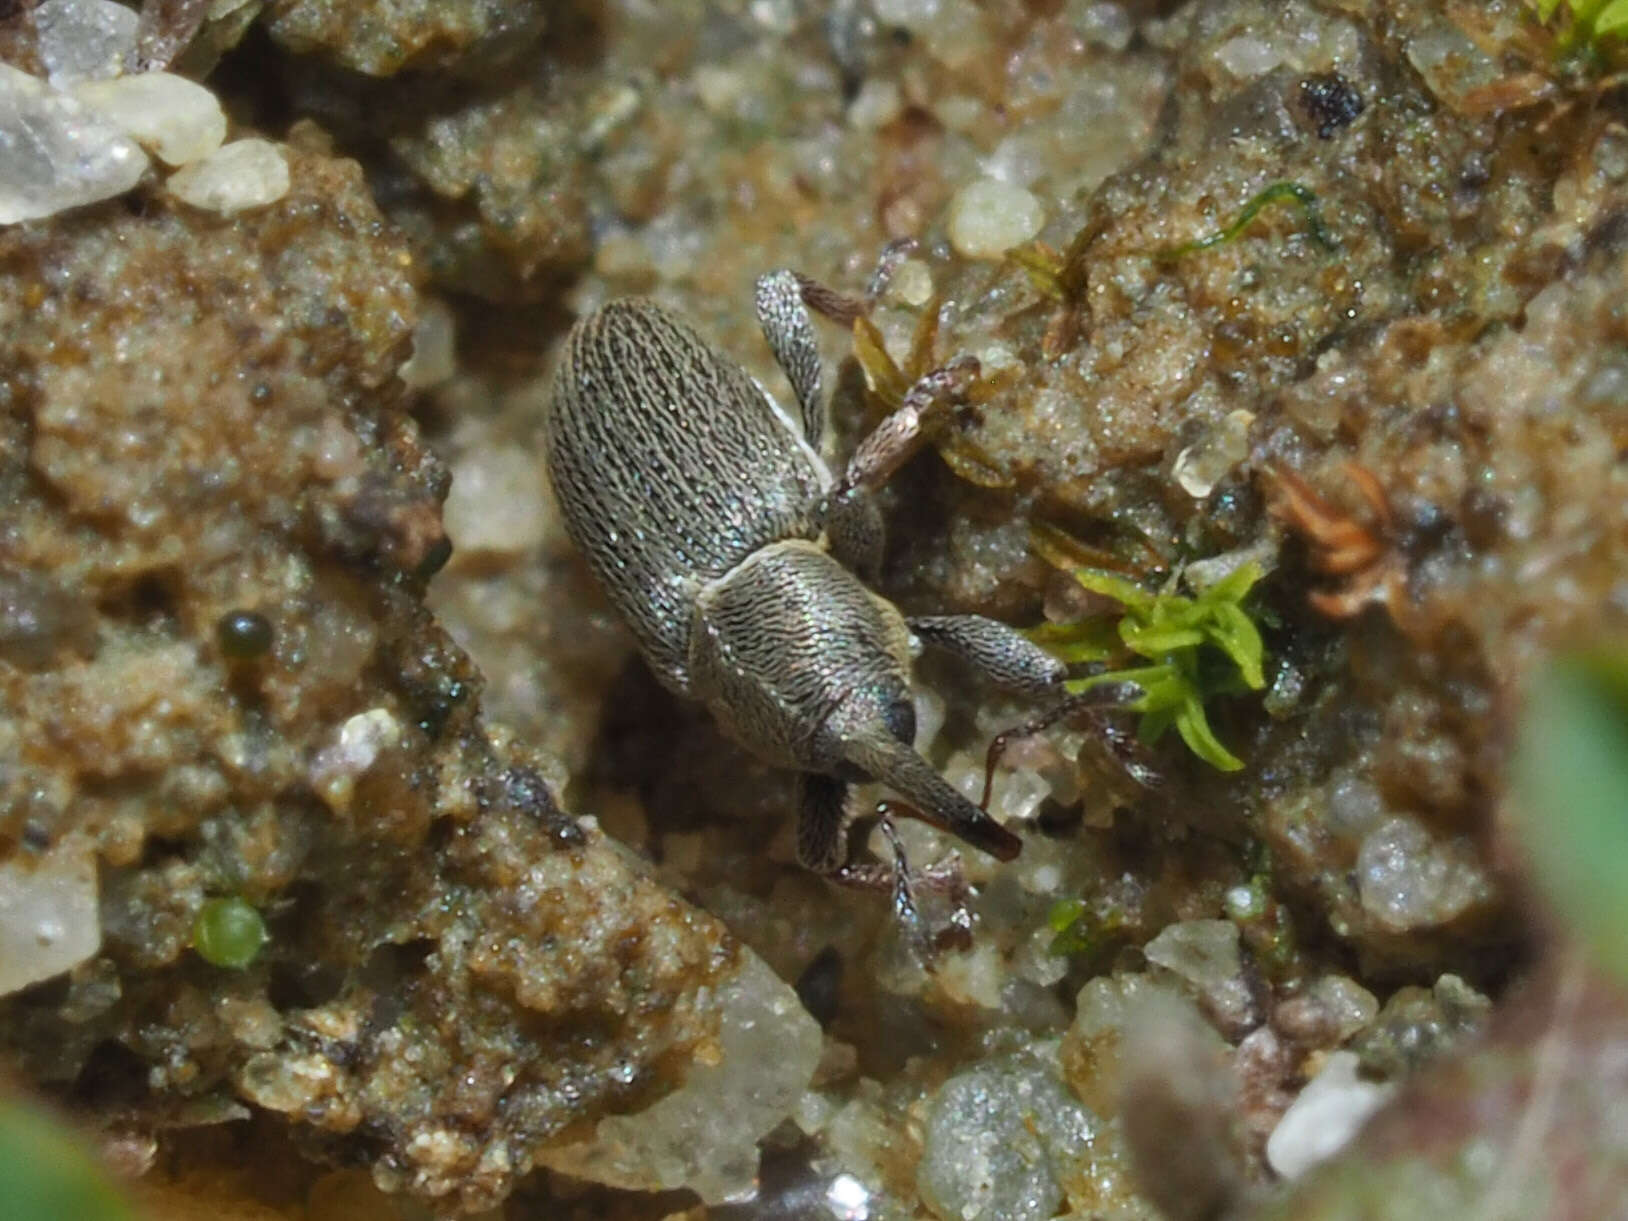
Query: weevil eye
x=900, y=719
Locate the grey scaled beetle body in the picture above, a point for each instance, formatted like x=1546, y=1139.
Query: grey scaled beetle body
x=716, y=528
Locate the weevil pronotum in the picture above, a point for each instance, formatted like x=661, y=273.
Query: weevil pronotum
x=740, y=562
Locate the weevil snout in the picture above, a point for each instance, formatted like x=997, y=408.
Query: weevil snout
x=882, y=755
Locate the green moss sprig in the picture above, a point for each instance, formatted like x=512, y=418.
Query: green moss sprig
x=1077, y=931
x=1196, y=647
x=1584, y=23
x=1279, y=192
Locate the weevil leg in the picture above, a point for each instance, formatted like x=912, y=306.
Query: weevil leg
x=823, y=820
x=996, y=650
x=783, y=317
x=1097, y=702
x=843, y=309
x=783, y=299
x=1011, y=660
x=848, y=509
x=822, y=823
x=892, y=442
x=943, y=876
x=822, y=834
x=894, y=253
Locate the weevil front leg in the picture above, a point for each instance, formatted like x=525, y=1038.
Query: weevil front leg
x=848, y=511
x=783, y=317
x=822, y=846
x=783, y=299
x=823, y=821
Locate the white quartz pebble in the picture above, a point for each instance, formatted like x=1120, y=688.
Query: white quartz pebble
x=175, y=119
x=243, y=174
x=1323, y=1119
x=987, y=218
x=48, y=914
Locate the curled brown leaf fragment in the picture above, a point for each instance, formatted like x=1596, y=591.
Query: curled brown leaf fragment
x=1340, y=545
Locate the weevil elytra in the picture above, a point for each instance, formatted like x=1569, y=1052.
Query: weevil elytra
x=714, y=524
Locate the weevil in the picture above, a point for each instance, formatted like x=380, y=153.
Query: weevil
x=741, y=562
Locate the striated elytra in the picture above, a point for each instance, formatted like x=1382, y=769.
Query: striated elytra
x=714, y=524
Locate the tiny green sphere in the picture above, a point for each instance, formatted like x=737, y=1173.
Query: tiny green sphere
x=228, y=933
x=244, y=633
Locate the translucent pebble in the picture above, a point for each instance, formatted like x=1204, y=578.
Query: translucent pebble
x=48, y=914
x=779, y=16
x=1409, y=880
x=81, y=40
x=1350, y=1004
x=1017, y=794
x=1001, y=1140
x=956, y=35
x=498, y=502
x=1102, y=24
x=877, y=104
x=1021, y=158
x=912, y=283
x=175, y=119
x=1034, y=960
x=988, y=218
x=721, y=89
x=912, y=14
x=365, y=735
x=974, y=977
x=1355, y=806
x=1106, y=1013
x=357, y=747
x=435, y=354
x=1451, y=64
x=704, y=1135
x=243, y=174
x=1326, y=1013
x=1247, y=56
x=1206, y=462
x=56, y=153
x=1201, y=574
x=1323, y=1119
x=286, y=1083
x=1206, y=954
x=847, y=1199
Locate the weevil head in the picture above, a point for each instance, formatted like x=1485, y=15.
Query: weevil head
x=874, y=714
